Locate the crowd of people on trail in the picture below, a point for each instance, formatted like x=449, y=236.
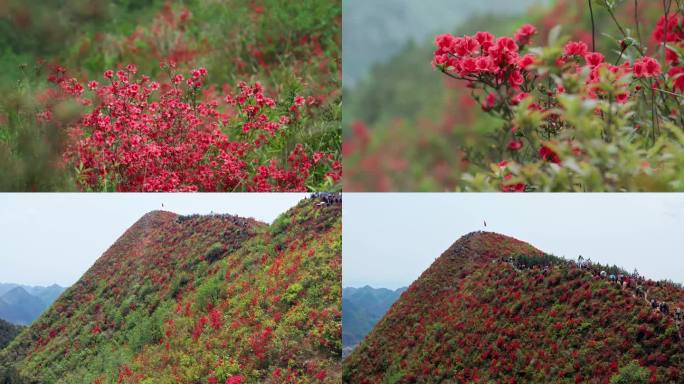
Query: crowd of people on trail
x=233, y=219
x=636, y=282
x=327, y=198
x=623, y=280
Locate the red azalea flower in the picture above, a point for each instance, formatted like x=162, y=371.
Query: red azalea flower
x=516, y=79
x=547, y=154
x=515, y=100
x=594, y=58
x=575, y=48
x=638, y=69
x=235, y=380
x=677, y=74
x=622, y=97
x=485, y=39
x=515, y=145
x=524, y=34
x=515, y=187
x=646, y=67
x=506, y=44
x=671, y=57
x=525, y=61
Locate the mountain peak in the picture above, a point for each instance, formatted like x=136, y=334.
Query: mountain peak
x=496, y=309
x=486, y=245
x=159, y=215
x=16, y=294
x=189, y=288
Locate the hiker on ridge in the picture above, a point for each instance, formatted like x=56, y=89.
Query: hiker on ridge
x=654, y=304
x=664, y=308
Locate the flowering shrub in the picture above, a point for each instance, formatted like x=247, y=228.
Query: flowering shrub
x=475, y=316
x=143, y=136
x=570, y=119
x=408, y=128
x=292, y=50
x=156, y=310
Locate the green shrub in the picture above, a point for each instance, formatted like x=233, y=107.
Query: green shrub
x=292, y=293
x=632, y=373
x=208, y=293
x=215, y=252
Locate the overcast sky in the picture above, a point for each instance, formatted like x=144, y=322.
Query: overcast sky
x=55, y=238
x=390, y=239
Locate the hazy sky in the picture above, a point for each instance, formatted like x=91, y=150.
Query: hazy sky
x=55, y=237
x=389, y=239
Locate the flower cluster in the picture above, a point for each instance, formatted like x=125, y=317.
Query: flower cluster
x=484, y=58
x=673, y=37
x=531, y=91
x=145, y=136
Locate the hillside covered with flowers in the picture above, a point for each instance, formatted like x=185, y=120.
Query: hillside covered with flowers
x=198, y=299
x=494, y=309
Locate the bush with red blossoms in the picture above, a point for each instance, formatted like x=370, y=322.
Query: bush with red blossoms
x=570, y=119
x=178, y=136
x=235, y=380
x=293, y=49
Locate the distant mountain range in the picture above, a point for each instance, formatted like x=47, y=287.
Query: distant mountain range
x=361, y=309
x=21, y=304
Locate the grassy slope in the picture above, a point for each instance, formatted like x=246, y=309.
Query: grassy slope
x=472, y=318
x=136, y=314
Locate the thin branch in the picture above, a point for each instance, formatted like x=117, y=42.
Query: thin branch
x=668, y=92
x=636, y=19
x=622, y=51
x=666, y=10
x=593, y=27
x=622, y=30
